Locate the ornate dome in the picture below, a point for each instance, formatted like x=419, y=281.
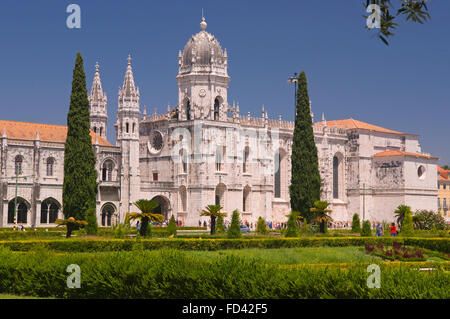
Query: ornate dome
x=202, y=49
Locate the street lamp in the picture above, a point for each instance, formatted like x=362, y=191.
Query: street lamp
x=294, y=80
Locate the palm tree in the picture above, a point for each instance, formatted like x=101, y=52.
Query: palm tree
x=146, y=215
x=71, y=224
x=401, y=212
x=213, y=211
x=321, y=209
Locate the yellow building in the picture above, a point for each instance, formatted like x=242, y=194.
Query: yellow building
x=444, y=192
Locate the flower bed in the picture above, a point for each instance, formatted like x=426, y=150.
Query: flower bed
x=403, y=253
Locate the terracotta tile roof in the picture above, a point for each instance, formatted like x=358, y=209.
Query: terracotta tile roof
x=443, y=174
x=403, y=153
x=355, y=124
x=47, y=132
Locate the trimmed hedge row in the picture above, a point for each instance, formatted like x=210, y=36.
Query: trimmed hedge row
x=175, y=274
x=17, y=235
x=93, y=245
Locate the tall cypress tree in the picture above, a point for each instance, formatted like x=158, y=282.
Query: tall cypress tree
x=80, y=185
x=305, y=180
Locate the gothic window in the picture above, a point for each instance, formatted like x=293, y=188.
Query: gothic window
x=127, y=127
x=101, y=131
x=155, y=177
x=107, y=170
x=50, y=164
x=335, y=177
x=277, y=175
x=49, y=211
x=18, y=165
x=216, y=109
x=134, y=127
x=21, y=211
x=188, y=110
x=220, y=194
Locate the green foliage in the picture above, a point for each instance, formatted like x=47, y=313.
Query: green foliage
x=366, y=230
x=91, y=218
x=320, y=216
x=412, y=10
x=213, y=211
x=100, y=244
x=80, y=176
x=407, y=226
x=235, y=228
x=292, y=226
x=178, y=275
x=220, y=227
x=305, y=180
x=427, y=219
x=120, y=230
x=172, y=227
x=356, y=224
x=306, y=229
x=261, y=227
x=401, y=212
x=145, y=216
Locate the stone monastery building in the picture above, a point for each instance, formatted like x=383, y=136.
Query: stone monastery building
x=204, y=151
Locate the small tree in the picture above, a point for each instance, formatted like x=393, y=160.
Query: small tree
x=235, y=228
x=356, y=224
x=145, y=216
x=292, y=226
x=407, y=228
x=220, y=227
x=213, y=211
x=261, y=227
x=366, y=230
x=91, y=218
x=172, y=227
x=71, y=224
x=305, y=229
x=320, y=211
x=401, y=212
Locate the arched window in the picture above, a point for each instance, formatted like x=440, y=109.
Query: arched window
x=107, y=170
x=18, y=165
x=216, y=109
x=50, y=164
x=245, y=159
x=188, y=110
x=246, y=199
x=21, y=211
x=101, y=131
x=134, y=127
x=277, y=176
x=335, y=177
x=220, y=194
x=49, y=211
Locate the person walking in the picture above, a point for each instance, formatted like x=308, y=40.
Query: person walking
x=379, y=232
x=393, y=230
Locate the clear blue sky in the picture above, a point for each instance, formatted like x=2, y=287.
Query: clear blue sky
x=404, y=87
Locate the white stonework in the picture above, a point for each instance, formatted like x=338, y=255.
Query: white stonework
x=203, y=151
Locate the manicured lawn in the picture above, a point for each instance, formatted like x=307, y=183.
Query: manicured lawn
x=287, y=256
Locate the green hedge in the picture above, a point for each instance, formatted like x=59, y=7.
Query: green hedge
x=176, y=274
x=92, y=245
x=18, y=235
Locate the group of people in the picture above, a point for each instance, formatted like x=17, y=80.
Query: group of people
x=380, y=230
x=179, y=223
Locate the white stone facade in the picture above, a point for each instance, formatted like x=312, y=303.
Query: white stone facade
x=203, y=151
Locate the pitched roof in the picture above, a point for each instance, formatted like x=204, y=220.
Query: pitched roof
x=443, y=174
x=355, y=124
x=46, y=132
x=403, y=153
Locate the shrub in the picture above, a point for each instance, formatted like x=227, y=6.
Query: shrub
x=220, y=227
x=305, y=229
x=427, y=220
x=261, y=227
x=172, y=227
x=356, y=224
x=119, y=231
x=292, y=226
x=91, y=218
x=235, y=228
x=407, y=226
x=366, y=230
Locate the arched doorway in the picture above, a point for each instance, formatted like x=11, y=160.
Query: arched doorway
x=21, y=210
x=108, y=215
x=164, y=206
x=49, y=211
x=219, y=198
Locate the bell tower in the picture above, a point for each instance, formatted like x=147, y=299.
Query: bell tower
x=98, y=106
x=203, y=78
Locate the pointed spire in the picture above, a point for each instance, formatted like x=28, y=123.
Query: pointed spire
x=263, y=111
x=37, y=136
x=324, y=122
x=168, y=107
x=145, y=112
x=96, y=89
x=4, y=132
x=129, y=89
